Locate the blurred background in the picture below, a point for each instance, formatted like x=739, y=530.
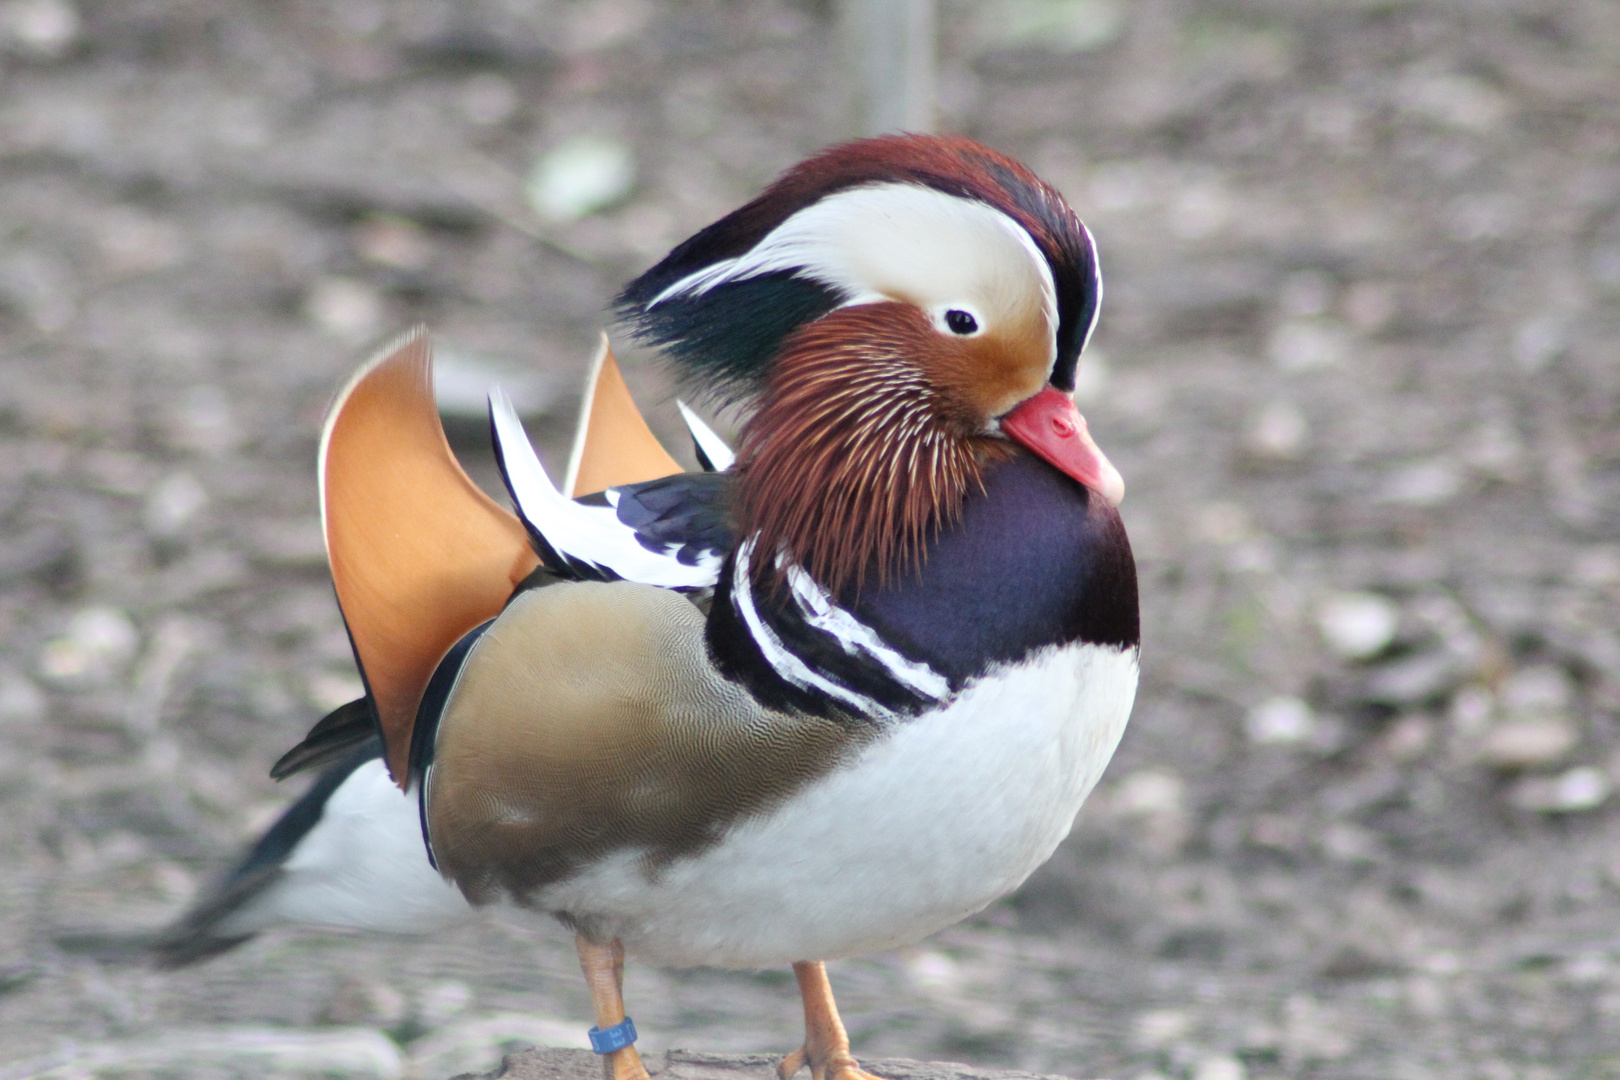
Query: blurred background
x=1357, y=362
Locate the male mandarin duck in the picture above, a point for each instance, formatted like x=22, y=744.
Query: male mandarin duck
x=828, y=698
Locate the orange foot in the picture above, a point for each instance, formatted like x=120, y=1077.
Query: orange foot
x=826, y=1043
x=624, y=1065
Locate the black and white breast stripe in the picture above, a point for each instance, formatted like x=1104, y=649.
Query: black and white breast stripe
x=800, y=650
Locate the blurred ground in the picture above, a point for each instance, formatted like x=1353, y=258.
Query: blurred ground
x=1357, y=363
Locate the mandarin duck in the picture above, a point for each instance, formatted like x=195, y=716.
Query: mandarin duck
x=827, y=696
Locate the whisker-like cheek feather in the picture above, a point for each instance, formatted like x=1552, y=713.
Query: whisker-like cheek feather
x=858, y=455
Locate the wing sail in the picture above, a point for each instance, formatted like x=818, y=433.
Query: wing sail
x=613, y=444
x=419, y=554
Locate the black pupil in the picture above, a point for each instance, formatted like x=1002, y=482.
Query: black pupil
x=960, y=322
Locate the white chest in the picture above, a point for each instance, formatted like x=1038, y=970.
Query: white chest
x=946, y=814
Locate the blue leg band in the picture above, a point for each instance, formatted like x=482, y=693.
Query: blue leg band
x=617, y=1037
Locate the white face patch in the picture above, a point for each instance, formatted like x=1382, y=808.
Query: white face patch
x=908, y=243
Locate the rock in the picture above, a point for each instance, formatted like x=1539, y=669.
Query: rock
x=1219, y=1067
x=1152, y=800
x=1528, y=744
x=1538, y=690
x=580, y=177
x=357, y=1053
x=203, y=421
x=45, y=29
x=99, y=644
x=1358, y=625
x=172, y=504
x=462, y=382
x=349, y=310
x=364, y=1001
x=1581, y=788
x=394, y=242
x=1278, y=432
x=480, y=1042
x=1052, y=26
x=1423, y=484
x=553, y=1064
x=21, y=702
x=1308, y=345
x=1280, y=720
x=1415, y=679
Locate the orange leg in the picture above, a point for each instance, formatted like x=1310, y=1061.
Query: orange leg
x=604, y=974
x=826, y=1043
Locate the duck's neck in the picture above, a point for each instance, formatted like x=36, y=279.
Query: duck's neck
x=1034, y=561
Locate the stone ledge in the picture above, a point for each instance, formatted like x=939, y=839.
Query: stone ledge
x=556, y=1064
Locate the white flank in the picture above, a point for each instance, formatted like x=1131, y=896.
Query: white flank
x=942, y=815
x=362, y=866
x=893, y=241
x=591, y=534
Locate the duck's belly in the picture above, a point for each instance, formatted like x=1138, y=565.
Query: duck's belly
x=932, y=822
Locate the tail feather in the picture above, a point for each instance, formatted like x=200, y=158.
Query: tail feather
x=338, y=732
x=348, y=853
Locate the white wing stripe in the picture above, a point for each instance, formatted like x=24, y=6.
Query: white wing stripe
x=714, y=447
x=591, y=534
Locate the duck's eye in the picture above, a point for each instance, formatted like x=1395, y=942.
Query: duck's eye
x=960, y=321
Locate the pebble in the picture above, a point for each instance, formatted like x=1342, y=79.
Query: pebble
x=358, y=1054
x=462, y=382
x=1408, y=738
x=349, y=310
x=477, y=1044
x=367, y=1002
x=442, y=1002
x=394, y=242
x=1536, y=690
x=1280, y=721
x=1219, y=1067
x=21, y=700
x=1301, y=345
x=1161, y=1027
x=1346, y=842
x=1472, y=709
x=1154, y=800
x=1358, y=625
x=1415, y=679
x=489, y=100
x=1278, y=432
x=98, y=645
x=1528, y=744
x=1306, y=293
x=172, y=504
x=1053, y=26
x=1578, y=789
x=932, y=972
x=1423, y=483
x=1370, y=306
x=203, y=421
x=579, y=177
x=327, y=690
x=1457, y=101
x=47, y=29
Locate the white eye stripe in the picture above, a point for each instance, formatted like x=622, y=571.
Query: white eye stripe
x=878, y=241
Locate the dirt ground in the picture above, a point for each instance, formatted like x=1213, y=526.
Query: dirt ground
x=1356, y=363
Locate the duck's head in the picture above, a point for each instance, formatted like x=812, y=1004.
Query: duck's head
x=895, y=310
